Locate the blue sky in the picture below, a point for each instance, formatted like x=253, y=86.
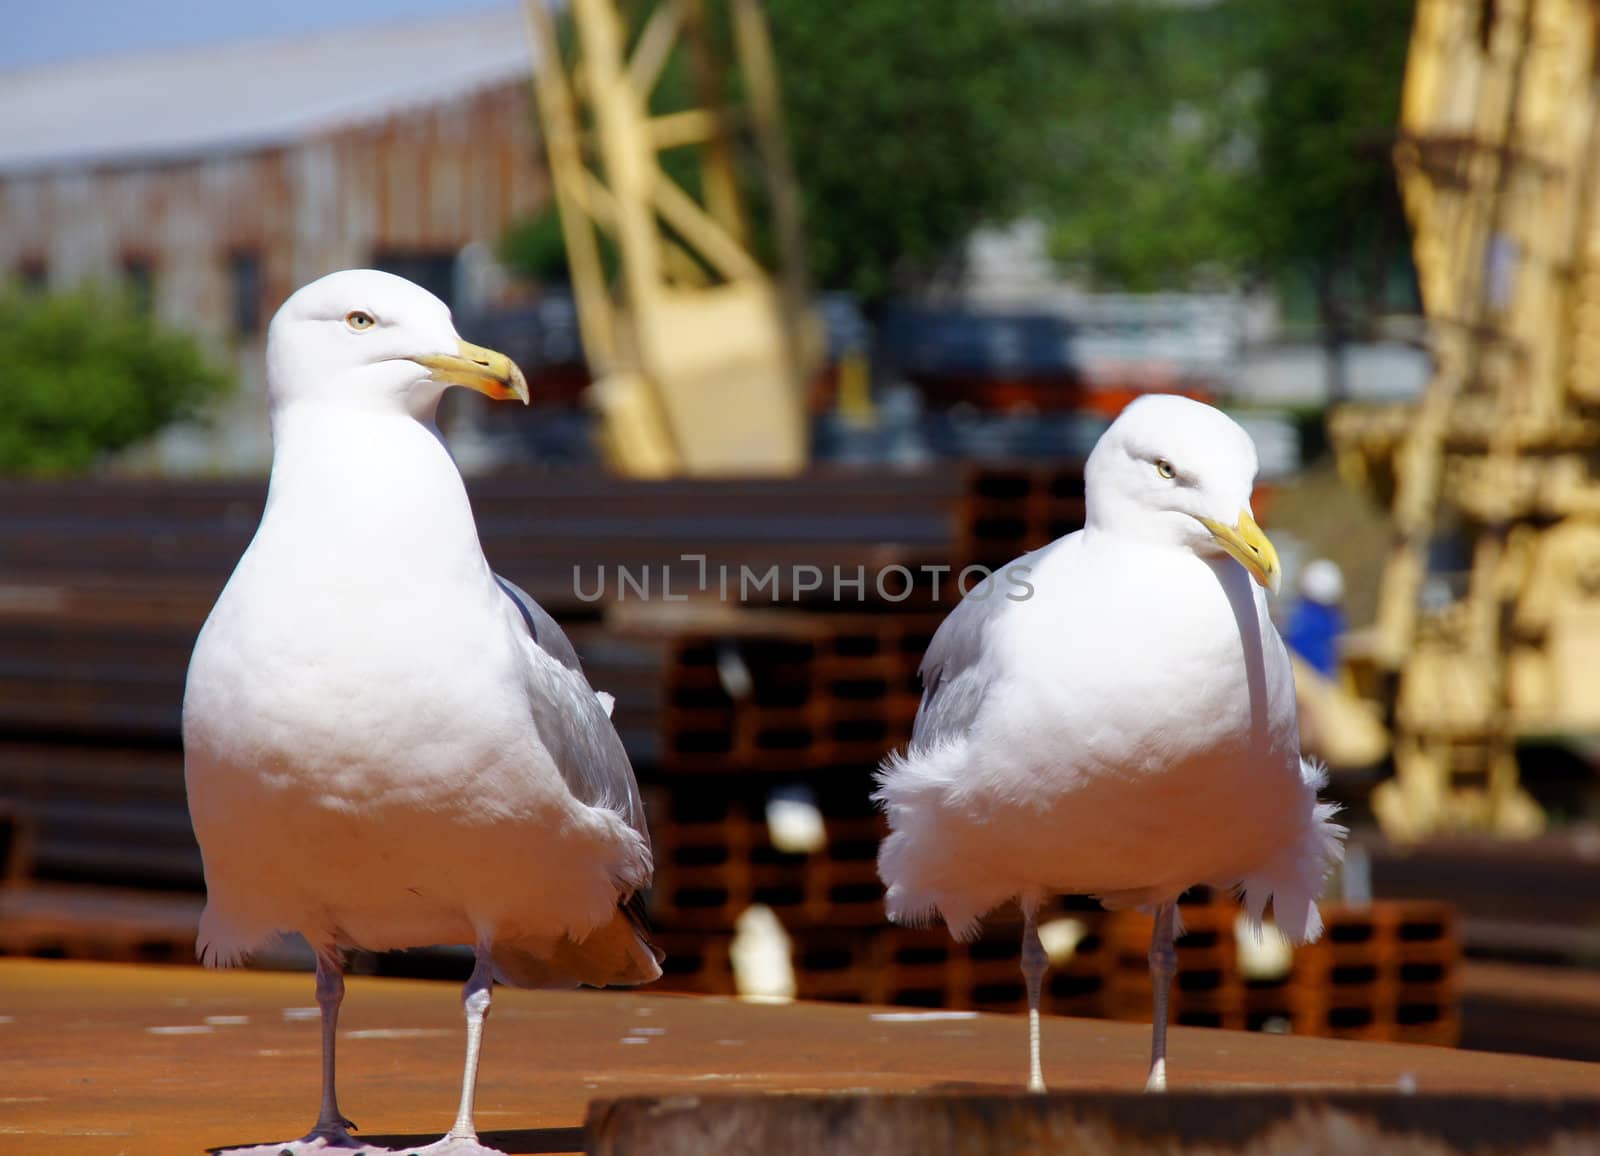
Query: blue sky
x=45, y=31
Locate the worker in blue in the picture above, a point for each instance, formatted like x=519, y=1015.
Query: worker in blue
x=1317, y=620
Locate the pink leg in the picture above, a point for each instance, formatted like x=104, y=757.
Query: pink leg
x=331, y=1123
x=475, y=1002
x=1034, y=963
x=1163, y=966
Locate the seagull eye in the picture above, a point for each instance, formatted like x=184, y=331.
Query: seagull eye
x=1164, y=468
x=358, y=320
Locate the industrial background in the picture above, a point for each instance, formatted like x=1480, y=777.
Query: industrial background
x=708, y=400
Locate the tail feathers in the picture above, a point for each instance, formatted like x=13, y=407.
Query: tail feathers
x=221, y=942
x=924, y=874
x=618, y=953
x=1294, y=878
x=913, y=899
x=638, y=917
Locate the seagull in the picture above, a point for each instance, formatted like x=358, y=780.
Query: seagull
x=387, y=745
x=1114, y=715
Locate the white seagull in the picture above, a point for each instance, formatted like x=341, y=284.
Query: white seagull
x=1114, y=715
x=385, y=744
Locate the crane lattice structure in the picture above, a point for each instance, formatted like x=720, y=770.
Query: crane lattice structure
x=700, y=354
x=1499, y=166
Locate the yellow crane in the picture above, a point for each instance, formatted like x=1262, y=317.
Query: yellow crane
x=701, y=356
x=1499, y=166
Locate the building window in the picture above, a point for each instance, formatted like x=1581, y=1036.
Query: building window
x=244, y=289
x=33, y=275
x=139, y=279
x=435, y=272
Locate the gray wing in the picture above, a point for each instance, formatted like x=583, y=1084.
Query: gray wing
x=544, y=630
x=575, y=726
x=955, y=677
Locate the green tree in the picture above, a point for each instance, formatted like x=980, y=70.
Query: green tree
x=1246, y=137
x=1151, y=135
x=1324, y=204
x=85, y=373
x=911, y=122
x=533, y=247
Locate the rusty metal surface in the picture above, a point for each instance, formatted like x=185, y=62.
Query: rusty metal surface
x=1241, y=1123
x=107, y=1059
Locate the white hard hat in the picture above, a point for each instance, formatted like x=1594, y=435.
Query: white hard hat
x=1322, y=581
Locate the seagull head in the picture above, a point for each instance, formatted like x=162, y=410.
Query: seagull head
x=1176, y=471
x=374, y=341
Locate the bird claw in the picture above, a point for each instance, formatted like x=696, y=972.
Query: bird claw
x=317, y=1141
x=333, y=1135
x=455, y=1146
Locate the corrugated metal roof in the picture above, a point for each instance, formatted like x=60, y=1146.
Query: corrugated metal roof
x=237, y=97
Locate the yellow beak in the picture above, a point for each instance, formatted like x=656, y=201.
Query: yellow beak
x=1248, y=545
x=478, y=368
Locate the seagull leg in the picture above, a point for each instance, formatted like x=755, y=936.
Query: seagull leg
x=1163, y=965
x=475, y=1001
x=1034, y=962
x=331, y=1124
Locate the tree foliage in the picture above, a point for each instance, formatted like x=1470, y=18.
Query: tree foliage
x=85, y=373
x=1324, y=200
x=1246, y=137
x=533, y=247
x=911, y=122
x=1151, y=131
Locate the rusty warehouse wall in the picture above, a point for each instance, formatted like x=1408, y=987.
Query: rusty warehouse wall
x=424, y=181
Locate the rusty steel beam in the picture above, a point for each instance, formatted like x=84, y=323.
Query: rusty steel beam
x=1241, y=1123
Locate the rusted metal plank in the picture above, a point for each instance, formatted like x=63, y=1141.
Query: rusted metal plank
x=1240, y=1123
x=104, y=1058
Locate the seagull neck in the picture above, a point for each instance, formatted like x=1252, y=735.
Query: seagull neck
x=1120, y=519
x=363, y=475
x=1124, y=521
